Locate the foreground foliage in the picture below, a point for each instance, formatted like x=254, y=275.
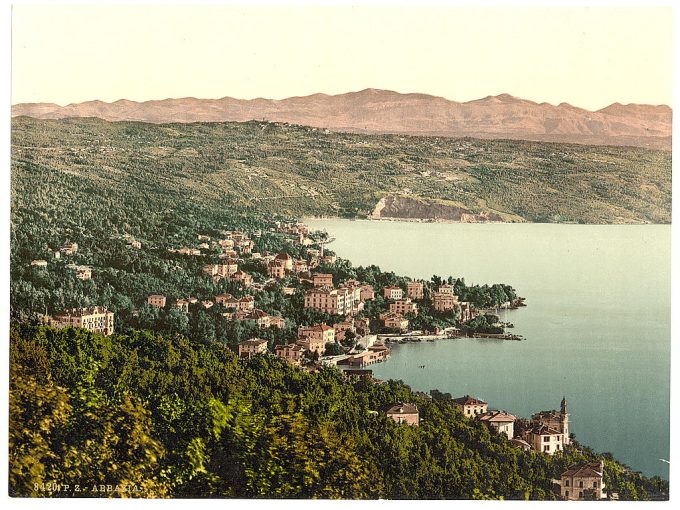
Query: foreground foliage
x=151, y=416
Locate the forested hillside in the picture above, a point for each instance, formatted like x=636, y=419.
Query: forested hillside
x=307, y=171
x=165, y=417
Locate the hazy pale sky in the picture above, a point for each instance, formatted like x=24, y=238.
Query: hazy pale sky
x=589, y=57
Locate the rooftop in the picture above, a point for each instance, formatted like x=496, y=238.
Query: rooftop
x=497, y=416
x=586, y=470
x=79, y=312
x=254, y=341
x=468, y=400
x=403, y=408
x=544, y=430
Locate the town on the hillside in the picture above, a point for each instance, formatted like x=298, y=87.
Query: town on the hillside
x=358, y=338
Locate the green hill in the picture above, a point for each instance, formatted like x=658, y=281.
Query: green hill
x=307, y=171
x=164, y=417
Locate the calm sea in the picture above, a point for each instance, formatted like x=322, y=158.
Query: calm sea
x=597, y=324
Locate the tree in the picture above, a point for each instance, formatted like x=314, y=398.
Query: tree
x=334, y=349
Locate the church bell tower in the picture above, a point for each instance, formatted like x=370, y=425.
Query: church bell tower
x=565, y=420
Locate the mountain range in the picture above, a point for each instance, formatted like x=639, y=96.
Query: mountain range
x=384, y=111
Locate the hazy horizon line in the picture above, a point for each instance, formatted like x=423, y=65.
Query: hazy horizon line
x=262, y=98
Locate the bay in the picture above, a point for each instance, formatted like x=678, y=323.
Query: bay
x=597, y=324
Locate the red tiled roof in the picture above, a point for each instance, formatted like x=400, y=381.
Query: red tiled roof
x=468, y=400
x=587, y=470
x=403, y=408
x=544, y=430
x=497, y=416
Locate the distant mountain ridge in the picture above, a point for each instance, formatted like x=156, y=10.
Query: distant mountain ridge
x=384, y=111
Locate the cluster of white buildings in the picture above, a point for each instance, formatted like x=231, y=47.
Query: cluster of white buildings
x=347, y=299
x=548, y=432
x=96, y=319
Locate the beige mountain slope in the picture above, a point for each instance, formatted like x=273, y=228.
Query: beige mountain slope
x=382, y=111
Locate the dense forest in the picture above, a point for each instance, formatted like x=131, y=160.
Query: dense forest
x=298, y=170
x=142, y=415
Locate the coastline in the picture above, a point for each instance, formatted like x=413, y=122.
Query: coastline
x=305, y=218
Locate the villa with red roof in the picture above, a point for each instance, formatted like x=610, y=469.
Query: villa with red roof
x=470, y=406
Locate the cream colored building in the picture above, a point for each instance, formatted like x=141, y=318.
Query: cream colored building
x=261, y=318
x=583, y=481
x=367, y=292
x=446, y=289
x=545, y=439
x=277, y=321
x=470, y=406
x=333, y=301
x=246, y=303
x=558, y=420
x=251, y=348
x=394, y=321
x=404, y=306
x=69, y=248
x=500, y=421
x=316, y=337
x=277, y=269
x=243, y=278
x=286, y=260
x=83, y=273
x=292, y=353
x=414, y=290
x=444, y=301
x=96, y=319
x=157, y=300
x=393, y=292
x=224, y=300
x=182, y=305
x=322, y=280
x=405, y=413
x=300, y=266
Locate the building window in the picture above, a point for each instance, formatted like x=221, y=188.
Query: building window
x=546, y=439
x=566, y=483
x=546, y=448
x=566, y=494
x=580, y=484
x=580, y=494
x=594, y=485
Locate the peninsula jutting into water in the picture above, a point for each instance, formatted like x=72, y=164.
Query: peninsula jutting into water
x=595, y=330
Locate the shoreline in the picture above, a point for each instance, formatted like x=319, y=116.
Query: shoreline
x=443, y=221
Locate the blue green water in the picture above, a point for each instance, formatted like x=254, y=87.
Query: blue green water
x=597, y=324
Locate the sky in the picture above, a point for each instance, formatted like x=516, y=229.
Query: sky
x=588, y=57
